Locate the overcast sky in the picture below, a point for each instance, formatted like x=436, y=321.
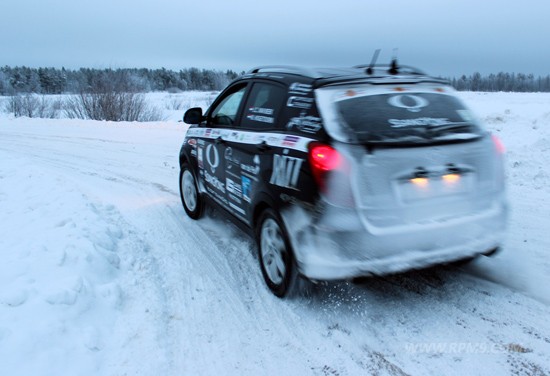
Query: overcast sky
x=443, y=37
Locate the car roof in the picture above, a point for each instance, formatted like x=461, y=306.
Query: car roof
x=317, y=77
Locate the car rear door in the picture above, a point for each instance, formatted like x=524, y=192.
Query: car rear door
x=251, y=146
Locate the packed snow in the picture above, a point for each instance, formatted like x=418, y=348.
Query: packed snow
x=103, y=273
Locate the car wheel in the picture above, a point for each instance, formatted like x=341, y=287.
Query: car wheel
x=276, y=256
x=190, y=197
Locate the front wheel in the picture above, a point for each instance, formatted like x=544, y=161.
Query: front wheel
x=190, y=197
x=276, y=256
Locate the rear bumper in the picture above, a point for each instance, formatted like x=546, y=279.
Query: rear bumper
x=349, y=248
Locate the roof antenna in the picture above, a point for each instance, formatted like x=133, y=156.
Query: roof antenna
x=373, y=61
x=394, y=69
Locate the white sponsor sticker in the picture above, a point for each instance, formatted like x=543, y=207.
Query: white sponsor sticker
x=309, y=124
x=272, y=139
x=300, y=102
x=286, y=171
x=214, y=181
x=233, y=187
x=397, y=123
x=212, y=157
x=298, y=88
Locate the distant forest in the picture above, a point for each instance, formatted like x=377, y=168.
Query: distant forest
x=60, y=81
x=66, y=81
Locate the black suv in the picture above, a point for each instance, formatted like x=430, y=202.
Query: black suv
x=341, y=173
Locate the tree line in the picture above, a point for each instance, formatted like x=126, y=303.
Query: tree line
x=507, y=82
x=15, y=80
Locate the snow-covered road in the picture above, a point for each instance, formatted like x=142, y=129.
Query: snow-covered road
x=103, y=274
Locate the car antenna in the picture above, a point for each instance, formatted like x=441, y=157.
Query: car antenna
x=373, y=61
x=394, y=69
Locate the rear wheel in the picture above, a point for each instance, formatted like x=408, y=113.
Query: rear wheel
x=190, y=197
x=276, y=256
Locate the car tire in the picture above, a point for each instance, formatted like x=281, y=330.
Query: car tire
x=190, y=196
x=276, y=256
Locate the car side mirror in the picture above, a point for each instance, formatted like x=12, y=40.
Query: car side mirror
x=193, y=116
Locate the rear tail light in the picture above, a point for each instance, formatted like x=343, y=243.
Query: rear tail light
x=331, y=173
x=498, y=144
x=324, y=158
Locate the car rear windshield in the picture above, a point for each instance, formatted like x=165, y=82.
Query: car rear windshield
x=405, y=118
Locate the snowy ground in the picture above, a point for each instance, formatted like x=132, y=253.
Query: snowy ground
x=103, y=274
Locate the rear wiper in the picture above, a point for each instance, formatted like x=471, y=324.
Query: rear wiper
x=455, y=128
x=449, y=127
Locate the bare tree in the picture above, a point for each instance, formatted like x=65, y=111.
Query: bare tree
x=33, y=106
x=111, y=97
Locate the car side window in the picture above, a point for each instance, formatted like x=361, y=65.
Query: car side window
x=263, y=106
x=225, y=113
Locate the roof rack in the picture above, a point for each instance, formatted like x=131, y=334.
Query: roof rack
x=286, y=69
x=406, y=69
x=369, y=71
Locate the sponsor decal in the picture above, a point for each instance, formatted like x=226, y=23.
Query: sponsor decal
x=195, y=132
x=234, y=198
x=233, y=187
x=230, y=159
x=194, y=152
x=212, y=157
x=259, y=138
x=290, y=140
x=273, y=139
x=300, y=89
x=192, y=142
x=200, y=157
x=300, y=102
x=246, y=184
x=286, y=171
x=236, y=208
x=245, y=137
x=217, y=196
x=207, y=132
x=261, y=118
x=214, y=181
x=309, y=124
x=412, y=103
x=261, y=110
x=253, y=170
x=419, y=122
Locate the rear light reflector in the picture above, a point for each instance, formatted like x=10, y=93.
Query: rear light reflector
x=451, y=178
x=421, y=182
